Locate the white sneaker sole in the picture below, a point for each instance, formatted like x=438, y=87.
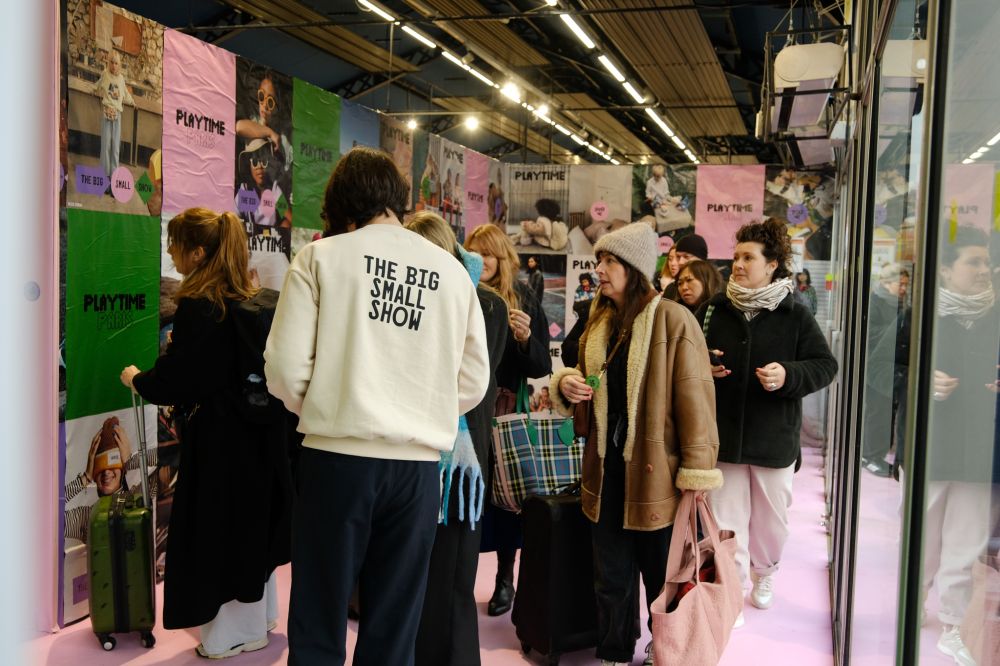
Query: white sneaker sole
x=233, y=651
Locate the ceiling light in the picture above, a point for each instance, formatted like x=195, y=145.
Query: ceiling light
x=543, y=110
x=660, y=122
x=551, y=3
x=378, y=10
x=577, y=30
x=482, y=77
x=967, y=161
x=563, y=130
x=528, y=107
x=639, y=99
x=982, y=149
x=994, y=140
x=420, y=38
x=411, y=124
x=921, y=64
x=578, y=139
x=677, y=142
x=455, y=59
x=610, y=66
x=615, y=162
x=510, y=91
x=472, y=122
x=594, y=149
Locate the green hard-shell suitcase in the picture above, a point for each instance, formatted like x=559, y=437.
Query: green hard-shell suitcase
x=120, y=559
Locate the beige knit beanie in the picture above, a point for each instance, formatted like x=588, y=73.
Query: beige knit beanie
x=635, y=244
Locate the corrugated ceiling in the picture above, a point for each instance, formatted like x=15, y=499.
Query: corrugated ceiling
x=607, y=127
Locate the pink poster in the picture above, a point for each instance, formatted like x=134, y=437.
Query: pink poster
x=199, y=124
x=727, y=198
x=968, y=195
x=477, y=185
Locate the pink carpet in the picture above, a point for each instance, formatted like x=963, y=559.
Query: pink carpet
x=796, y=630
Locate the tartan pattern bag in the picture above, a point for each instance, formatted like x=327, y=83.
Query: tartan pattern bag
x=535, y=454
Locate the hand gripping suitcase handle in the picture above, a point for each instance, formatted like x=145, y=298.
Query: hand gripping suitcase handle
x=140, y=425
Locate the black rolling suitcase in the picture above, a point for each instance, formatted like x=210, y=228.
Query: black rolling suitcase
x=554, y=607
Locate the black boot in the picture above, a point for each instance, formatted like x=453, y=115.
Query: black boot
x=503, y=593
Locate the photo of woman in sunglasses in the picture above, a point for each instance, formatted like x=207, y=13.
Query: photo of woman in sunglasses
x=263, y=145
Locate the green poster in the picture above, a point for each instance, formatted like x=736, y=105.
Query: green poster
x=316, y=128
x=112, y=306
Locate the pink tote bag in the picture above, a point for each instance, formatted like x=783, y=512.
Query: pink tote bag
x=694, y=630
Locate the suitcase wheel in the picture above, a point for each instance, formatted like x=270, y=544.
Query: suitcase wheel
x=147, y=639
x=107, y=641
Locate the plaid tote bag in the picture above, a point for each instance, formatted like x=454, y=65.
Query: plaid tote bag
x=535, y=453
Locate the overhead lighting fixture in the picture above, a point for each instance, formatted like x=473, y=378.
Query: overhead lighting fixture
x=510, y=91
x=639, y=99
x=660, y=122
x=563, y=130
x=577, y=30
x=615, y=162
x=543, y=110
x=455, y=59
x=528, y=106
x=411, y=124
x=594, y=149
x=482, y=77
x=610, y=66
x=677, y=142
x=472, y=122
x=551, y=3
x=994, y=140
x=967, y=161
x=420, y=38
x=578, y=139
x=378, y=10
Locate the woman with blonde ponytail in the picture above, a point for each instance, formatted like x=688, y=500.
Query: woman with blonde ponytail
x=230, y=517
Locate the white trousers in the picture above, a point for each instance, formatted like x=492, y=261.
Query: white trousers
x=753, y=502
x=238, y=623
x=956, y=526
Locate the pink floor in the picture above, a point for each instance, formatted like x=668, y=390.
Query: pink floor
x=796, y=630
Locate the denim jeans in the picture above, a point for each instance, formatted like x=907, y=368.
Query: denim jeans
x=111, y=143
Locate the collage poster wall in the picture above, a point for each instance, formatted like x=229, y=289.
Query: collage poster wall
x=600, y=198
x=452, y=174
x=538, y=200
x=477, y=176
x=728, y=197
x=805, y=200
x=664, y=197
x=114, y=89
x=397, y=140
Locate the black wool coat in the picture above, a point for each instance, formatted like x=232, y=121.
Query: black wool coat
x=533, y=362
x=230, y=523
x=758, y=427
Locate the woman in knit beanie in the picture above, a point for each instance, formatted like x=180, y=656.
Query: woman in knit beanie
x=644, y=364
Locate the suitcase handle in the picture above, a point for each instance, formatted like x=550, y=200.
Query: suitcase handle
x=140, y=423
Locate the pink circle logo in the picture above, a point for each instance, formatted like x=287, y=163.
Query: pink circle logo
x=266, y=203
x=122, y=184
x=599, y=211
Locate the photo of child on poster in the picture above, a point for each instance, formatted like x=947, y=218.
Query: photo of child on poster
x=496, y=204
x=538, y=199
x=600, y=198
x=805, y=200
x=429, y=183
x=270, y=254
x=114, y=112
x=102, y=457
x=539, y=399
x=452, y=161
x=545, y=275
x=263, y=145
x=664, y=197
x=581, y=286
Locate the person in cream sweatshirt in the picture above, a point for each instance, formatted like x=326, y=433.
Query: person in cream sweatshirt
x=378, y=344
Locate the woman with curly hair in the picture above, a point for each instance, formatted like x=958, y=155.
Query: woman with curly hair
x=769, y=354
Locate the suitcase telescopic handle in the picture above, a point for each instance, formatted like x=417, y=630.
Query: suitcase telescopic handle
x=140, y=424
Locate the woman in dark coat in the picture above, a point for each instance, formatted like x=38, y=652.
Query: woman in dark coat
x=449, y=627
x=526, y=354
x=769, y=354
x=230, y=523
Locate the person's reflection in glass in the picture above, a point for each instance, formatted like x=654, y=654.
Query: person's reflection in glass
x=961, y=444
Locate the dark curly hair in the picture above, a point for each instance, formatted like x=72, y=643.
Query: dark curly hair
x=548, y=208
x=772, y=233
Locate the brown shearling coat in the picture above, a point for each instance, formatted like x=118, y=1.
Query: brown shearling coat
x=672, y=441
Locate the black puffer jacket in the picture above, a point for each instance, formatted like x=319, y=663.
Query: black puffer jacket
x=758, y=427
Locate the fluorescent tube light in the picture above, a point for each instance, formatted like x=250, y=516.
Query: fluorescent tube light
x=577, y=30
x=639, y=99
x=610, y=66
x=615, y=162
x=994, y=140
x=482, y=77
x=455, y=59
x=378, y=10
x=420, y=38
x=677, y=142
x=578, y=139
x=563, y=130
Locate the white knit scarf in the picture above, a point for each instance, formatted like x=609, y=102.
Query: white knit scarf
x=964, y=308
x=752, y=301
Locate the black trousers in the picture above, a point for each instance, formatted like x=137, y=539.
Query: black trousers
x=620, y=555
x=449, y=625
x=363, y=520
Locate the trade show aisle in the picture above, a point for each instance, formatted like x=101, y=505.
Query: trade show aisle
x=795, y=631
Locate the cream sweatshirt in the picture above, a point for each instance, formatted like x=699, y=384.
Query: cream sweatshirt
x=378, y=344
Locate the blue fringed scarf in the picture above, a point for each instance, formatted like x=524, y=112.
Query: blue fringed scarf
x=462, y=457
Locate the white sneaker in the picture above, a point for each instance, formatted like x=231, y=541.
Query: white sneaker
x=762, y=594
x=649, y=661
x=951, y=644
x=740, y=621
x=605, y=662
x=233, y=651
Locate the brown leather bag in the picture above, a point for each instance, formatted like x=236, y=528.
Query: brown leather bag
x=581, y=419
